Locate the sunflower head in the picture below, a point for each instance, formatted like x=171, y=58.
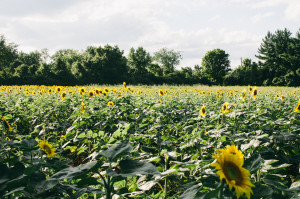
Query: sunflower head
x=161, y=92
x=250, y=88
x=58, y=89
x=47, y=148
x=91, y=93
x=224, y=108
x=229, y=167
x=254, y=93
x=110, y=103
x=297, y=108
x=63, y=95
x=82, y=107
x=203, y=111
x=124, y=84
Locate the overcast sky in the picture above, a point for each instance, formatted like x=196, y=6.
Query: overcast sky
x=192, y=27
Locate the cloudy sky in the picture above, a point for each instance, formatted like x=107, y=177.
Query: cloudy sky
x=192, y=27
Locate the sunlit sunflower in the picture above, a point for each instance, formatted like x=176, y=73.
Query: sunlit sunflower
x=82, y=107
x=97, y=91
x=161, y=92
x=47, y=148
x=159, y=101
x=203, y=111
x=106, y=90
x=110, y=103
x=6, y=124
x=49, y=90
x=234, y=150
x=124, y=84
x=91, y=93
x=81, y=90
x=58, y=89
x=254, y=93
x=230, y=168
x=282, y=97
x=297, y=108
x=33, y=93
x=224, y=108
x=63, y=95
x=250, y=88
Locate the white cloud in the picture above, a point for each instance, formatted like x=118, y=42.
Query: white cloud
x=259, y=17
x=292, y=12
x=268, y=3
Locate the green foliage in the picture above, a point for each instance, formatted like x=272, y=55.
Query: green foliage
x=216, y=65
x=169, y=59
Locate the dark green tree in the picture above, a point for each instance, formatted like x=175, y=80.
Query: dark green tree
x=139, y=61
x=279, y=53
x=169, y=59
x=216, y=65
x=105, y=65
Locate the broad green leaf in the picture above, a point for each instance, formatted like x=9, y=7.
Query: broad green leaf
x=116, y=151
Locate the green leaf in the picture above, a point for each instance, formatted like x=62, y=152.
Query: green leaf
x=295, y=186
x=190, y=192
x=71, y=172
x=253, y=163
x=134, y=167
x=261, y=190
x=116, y=151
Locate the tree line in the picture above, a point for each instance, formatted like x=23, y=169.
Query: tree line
x=278, y=64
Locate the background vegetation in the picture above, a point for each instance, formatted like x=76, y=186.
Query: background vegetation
x=278, y=65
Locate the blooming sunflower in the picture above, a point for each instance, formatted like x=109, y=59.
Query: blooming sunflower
x=161, y=92
x=82, y=107
x=63, y=95
x=250, y=88
x=234, y=150
x=110, y=103
x=297, y=108
x=6, y=124
x=254, y=93
x=224, y=108
x=203, y=111
x=230, y=168
x=58, y=89
x=47, y=148
x=91, y=93
x=124, y=84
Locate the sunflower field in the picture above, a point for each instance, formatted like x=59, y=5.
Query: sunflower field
x=149, y=142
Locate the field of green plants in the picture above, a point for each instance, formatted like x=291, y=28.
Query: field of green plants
x=149, y=142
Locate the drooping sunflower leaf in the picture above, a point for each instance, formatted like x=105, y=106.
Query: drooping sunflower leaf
x=116, y=151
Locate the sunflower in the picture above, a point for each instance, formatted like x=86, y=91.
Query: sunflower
x=63, y=95
x=97, y=91
x=282, y=97
x=47, y=148
x=254, y=93
x=250, y=88
x=297, y=107
x=203, y=111
x=124, y=84
x=110, y=103
x=106, y=90
x=82, y=107
x=224, y=108
x=234, y=150
x=58, y=89
x=6, y=124
x=159, y=101
x=49, y=90
x=230, y=168
x=81, y=90
x=161, y=92
x=91, y=93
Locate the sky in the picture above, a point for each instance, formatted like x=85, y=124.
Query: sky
x=192, y=27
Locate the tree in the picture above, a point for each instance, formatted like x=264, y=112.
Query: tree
x=138, y=61
x=279, y=53
x=8, y=53
x=216, y=65
x=168, y=59
x=105, y=65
